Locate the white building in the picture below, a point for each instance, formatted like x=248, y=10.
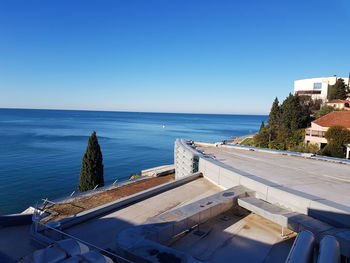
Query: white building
x=317, y=88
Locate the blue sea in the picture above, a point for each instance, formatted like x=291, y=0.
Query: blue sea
x=41, y=150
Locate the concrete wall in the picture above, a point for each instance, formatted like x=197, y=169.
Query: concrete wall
x=185, y=158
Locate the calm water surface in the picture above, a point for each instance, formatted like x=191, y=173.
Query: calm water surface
x=41, y=150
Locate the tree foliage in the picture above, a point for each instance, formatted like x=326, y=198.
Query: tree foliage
x=275, y=113
x=293, y=115
x=324, y=111
x=262, y=138
x=333, y=150
x=262, y=125
x=285, y=124
x=338, y=90
x=305, y=148
x=91, y=172
x=337, y=137
x=310, y=105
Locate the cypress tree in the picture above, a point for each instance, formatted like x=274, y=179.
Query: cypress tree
x=338, y=90
x=275, y=113
x=91, y=172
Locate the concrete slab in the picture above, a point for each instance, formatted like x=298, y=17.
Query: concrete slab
x=321, y=179
x=230, y=236
x=102, y=231
x=15, y=241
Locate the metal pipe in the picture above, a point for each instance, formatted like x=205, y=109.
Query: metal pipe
x=302, y=249
x=329, y=251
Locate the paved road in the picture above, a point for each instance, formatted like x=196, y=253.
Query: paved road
x=319, y=178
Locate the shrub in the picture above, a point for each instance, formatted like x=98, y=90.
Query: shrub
x=262, y=138
x=305, y=148
x=334, y=150
x=247, y=141
x=324, y=111
x=338, y=135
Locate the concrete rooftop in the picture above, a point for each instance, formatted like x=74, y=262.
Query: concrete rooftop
x=245, y=238
x=15, y=241
x=102, y=231
x=322, y=179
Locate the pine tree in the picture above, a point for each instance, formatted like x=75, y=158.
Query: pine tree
x=91, y=172
x=275, y=113
x=338, y=90
x=293, y=116
x=262, y=126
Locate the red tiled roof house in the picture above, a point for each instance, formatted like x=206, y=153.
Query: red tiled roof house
x=339, y=104
x=316, y=133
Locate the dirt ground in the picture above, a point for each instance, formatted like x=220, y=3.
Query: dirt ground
x=63, y=210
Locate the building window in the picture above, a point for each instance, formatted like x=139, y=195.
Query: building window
x=317, y=85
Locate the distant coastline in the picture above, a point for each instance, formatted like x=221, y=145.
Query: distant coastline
x=128, y=111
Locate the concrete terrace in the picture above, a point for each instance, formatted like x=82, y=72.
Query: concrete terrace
x=229, y=236
x=102, y=231
x=241, y=204
x=323, y=179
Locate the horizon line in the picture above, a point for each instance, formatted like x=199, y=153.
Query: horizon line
x=128, y=111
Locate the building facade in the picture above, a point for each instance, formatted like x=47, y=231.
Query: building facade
x=317, y=88
x=339, y=104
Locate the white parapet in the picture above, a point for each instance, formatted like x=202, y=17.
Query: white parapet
x=186, y=158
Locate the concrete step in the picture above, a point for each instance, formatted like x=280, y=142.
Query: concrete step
x=284, y=217
x=297, y=222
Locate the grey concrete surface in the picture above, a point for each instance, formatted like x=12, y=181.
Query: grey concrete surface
x=326, y=180
x=15, y=241
x=141, y=240
x=102, y=231
x=297, y=222
x=231, y=236
x=109, y=207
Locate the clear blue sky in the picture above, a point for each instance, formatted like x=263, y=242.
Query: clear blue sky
x=167, y=55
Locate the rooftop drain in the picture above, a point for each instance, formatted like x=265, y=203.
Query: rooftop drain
x=208, y=203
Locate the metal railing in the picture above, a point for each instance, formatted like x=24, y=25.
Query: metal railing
x=38, y=231
x=314, y=133
x=76, y=195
